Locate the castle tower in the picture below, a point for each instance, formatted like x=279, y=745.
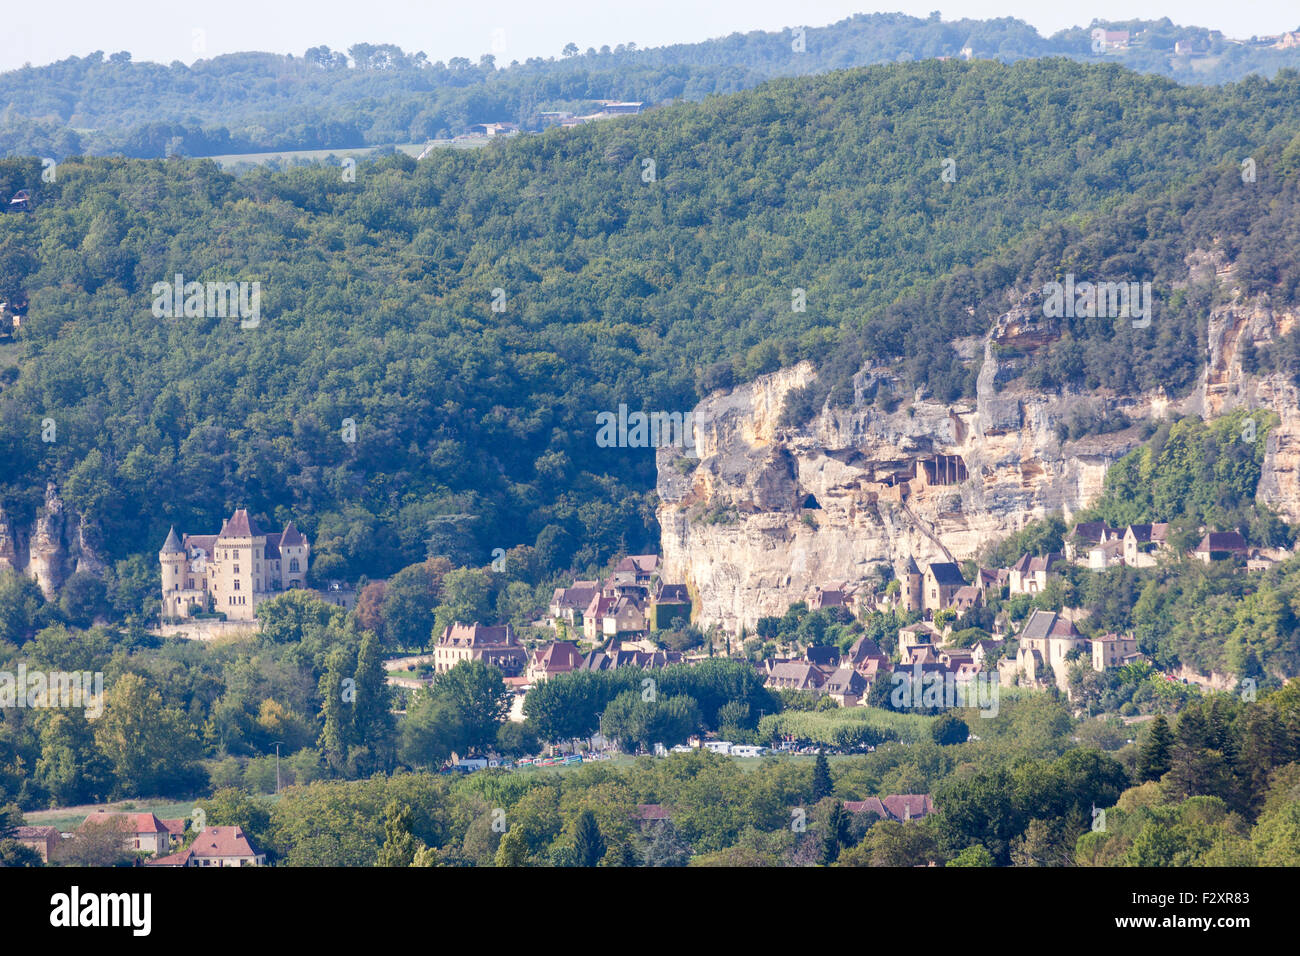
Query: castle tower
x=911, y=585
x=294, y=552
x=240, y=578
x=172, y=559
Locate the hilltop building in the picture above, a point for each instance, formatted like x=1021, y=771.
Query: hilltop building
x=232, y=571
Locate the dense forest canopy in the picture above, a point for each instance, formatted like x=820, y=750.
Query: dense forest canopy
x=381, y=94
x=474, y=427
x=1252, y=222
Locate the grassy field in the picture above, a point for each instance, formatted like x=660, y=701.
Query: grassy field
x=233, y=160
x=69, y=818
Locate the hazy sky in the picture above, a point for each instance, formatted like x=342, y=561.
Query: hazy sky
x=167, y=30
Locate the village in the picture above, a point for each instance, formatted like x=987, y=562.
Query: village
x=600, y=625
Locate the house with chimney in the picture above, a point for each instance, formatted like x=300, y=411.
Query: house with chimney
x=1030, y=574
x=940, y=583
x=1141, y=541
x=496, y=646
x=568, y=604
x=559, y=657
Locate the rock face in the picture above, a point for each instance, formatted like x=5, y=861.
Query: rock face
x=56, y=545
x=767, y=513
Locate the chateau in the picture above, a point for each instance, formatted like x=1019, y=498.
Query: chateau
x=232, y=571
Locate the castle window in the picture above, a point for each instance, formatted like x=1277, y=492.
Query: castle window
x=293, y=564
x=236, y=569
x=236, y=584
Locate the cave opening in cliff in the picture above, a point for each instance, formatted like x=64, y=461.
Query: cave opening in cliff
x=810, y=502
x=944, y=470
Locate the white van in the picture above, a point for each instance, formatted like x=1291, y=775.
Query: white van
x=747, y=750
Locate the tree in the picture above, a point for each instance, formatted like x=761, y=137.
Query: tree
x=70, y=769
x=409, y=602
x=98, y=843
x=430, y=730
x=13, y=853
x=400, y=846
x=153, y=750
x=949, y=729
x=822, y=785
x=1154, y=752
x=665, y=846
x=372, y=724
x=235, y=807
x=570, y=49
x=479, y=701
x=588, y=843
x=973, y=855
x=836, y=834
x=288, y=617
x=21, y=602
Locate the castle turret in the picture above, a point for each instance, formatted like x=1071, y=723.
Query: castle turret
x=172, y=559
x=294, y=552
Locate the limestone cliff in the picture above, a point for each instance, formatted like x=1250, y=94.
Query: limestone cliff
x=55, y=545
x=767, y=512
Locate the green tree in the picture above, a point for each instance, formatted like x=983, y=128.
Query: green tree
x=1154, y=751
x=822, y=785
x=400, y=846
x=588, y=843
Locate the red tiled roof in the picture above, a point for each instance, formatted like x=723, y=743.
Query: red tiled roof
x=222, y=842
x=240, y=525
x=908, y=805
x=139, y=822
x=176, y=859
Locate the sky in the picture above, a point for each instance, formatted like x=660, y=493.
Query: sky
x=168, y=30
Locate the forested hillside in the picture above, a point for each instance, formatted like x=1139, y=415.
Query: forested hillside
x=1253, y=224
x=475, y=427
x=378, y=94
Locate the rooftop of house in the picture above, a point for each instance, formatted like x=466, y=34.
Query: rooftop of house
x=1047, y=624
x=138, y=822
x=1222, y=541
x=222, y=842
x=946, y=572
x=457, y=634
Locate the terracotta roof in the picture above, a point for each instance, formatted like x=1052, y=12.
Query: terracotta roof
x=176, y=859
x=457, y=634
x=140, y=822
x=863, y=649
x=222, y=842
x=562, y=655
x=869, y=805
x=175, y=827
x=651, y=811
x=35, y=833
x=240, y=525
x=908, y=805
